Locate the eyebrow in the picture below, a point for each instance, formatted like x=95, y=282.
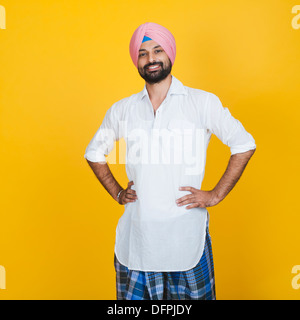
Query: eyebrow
x=152, y=48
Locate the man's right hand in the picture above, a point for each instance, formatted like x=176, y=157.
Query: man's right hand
x=128, y=195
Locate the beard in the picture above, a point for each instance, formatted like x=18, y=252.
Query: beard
x=155, y=76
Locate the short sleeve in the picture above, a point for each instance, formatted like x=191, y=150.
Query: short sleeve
x=229, y=130
x=103, y=141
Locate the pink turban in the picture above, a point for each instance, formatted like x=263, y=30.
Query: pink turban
x=156, y=32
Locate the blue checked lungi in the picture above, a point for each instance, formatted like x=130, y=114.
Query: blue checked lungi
x=197, y=283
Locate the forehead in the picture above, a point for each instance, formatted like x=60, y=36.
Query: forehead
x=148, y=45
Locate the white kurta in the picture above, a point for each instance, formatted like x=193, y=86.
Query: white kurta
x=164, y=152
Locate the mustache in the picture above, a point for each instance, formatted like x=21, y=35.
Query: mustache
x=153, y=64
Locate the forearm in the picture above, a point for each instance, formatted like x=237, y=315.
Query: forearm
x=234, y=170
x=106, y=178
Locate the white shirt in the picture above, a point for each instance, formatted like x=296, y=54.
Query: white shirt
x=163, y=152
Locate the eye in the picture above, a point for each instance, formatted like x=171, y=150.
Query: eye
x=158, y=50
x=142, y=54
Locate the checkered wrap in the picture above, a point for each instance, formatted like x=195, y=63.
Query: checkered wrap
x=197, y=283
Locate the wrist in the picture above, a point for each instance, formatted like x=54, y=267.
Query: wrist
x=216, y=196
x=119, y=194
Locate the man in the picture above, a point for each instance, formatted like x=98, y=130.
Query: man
x=163, y=247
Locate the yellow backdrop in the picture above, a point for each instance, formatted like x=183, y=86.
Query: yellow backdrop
x=63, y=63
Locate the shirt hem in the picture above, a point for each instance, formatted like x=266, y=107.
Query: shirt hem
x=193, y=265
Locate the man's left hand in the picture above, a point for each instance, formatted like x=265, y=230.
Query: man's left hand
x=197, y=198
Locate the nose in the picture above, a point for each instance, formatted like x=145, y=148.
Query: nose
x=151, y=57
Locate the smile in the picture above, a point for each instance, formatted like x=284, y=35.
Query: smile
x=152, y=68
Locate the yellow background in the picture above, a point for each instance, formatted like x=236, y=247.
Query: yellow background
x=63, y=63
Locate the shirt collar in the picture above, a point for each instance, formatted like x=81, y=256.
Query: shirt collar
x=176, y=87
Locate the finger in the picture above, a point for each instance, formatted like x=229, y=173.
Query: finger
x=188, y=201
x=191, y=189
x=130, y=196
x=195, y=205
x=131, y=191
x=188, y=197
x=127, y=197
x=129, y=200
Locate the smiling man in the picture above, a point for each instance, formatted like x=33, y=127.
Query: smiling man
x=163, y=246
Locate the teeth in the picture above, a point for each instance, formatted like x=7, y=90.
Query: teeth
x=153, y=67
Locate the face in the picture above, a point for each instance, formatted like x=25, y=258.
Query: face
x=154, y=64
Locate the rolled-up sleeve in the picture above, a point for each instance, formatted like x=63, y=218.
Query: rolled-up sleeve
x=103, y=141
x=228, y=129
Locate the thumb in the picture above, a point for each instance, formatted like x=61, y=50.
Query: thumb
x=130, y=183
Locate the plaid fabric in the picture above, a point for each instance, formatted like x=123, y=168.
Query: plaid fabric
x=195, y=284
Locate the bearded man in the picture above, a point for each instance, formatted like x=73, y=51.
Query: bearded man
x=163, y=246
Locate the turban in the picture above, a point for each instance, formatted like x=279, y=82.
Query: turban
x=156, y=32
